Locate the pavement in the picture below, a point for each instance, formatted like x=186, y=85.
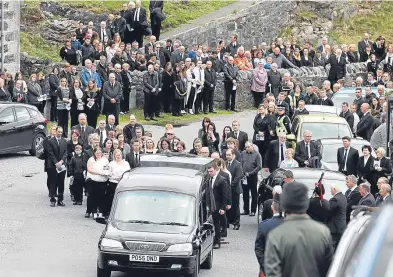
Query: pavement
x=39, y=241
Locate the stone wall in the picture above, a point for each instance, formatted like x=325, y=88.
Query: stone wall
x=11, y=35
x=263, y=21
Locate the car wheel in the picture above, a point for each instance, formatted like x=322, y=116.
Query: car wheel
x=196, y=268
x=36, y=142
x=208, y=263
x=103, y=272
x=260, y=212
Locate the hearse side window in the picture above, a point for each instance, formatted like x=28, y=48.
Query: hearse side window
x=7, y=116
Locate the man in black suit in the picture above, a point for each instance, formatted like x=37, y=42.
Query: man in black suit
x=235, y=168
x=276, y=153
x=112, y=93
x=241, y=136
x=352, y=194
x=178, y=55
x=346, y=113
x=160, y=54
x=83, y=129
x=134, y=157
x=139, y=20
x=101, y=131
x=129, y=129
x=233, y=46
x=337, y=67
x=209, y=87
x=129, y=34
x=306, y=149
x=104, y=31
x=384, y=195
x=301, y=109
x=324, y=100
x=364, y=128
x=156, y=16
x=337, y=215
x=220, y=193
x=363, y=44
x=367, y=198
x=57, y=155
x=347, y=157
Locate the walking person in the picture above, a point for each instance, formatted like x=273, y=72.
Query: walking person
x=285, y=255
x=235, y=168
x=52, y=133
x=117, y=168
x=251, y=163
x=337, y=214
x=96, y=183
x=76, y=169
x=63, y=105
x=57, y=157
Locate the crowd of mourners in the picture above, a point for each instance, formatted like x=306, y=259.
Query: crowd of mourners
x=177, y=80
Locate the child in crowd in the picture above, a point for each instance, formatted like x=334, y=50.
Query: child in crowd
x=76, y=170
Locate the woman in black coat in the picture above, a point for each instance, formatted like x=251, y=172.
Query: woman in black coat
x=78, y=101
x=319, y=207
x=381, y=168
x=365, y=165
x=68, y=54
x=372, y=65
x=262, y=130
x=167, y=92
x=211, y=139
x=92, y=99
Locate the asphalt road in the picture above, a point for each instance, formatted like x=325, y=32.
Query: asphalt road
x=39, y=241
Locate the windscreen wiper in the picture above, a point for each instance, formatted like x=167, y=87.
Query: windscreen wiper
x=137, y=221
x=172, y=223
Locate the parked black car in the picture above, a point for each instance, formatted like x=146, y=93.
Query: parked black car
x=308, y=176
x=159, y=219
x=22, y=128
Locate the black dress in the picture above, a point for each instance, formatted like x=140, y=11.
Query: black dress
x=69, y=55
x=365, y=171
x=262, y=125
x=167, y=90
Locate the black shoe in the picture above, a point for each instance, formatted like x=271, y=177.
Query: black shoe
x=147, y=118
x=221, y=239
x=87, y=215
x=236, y=227
x=79, y=203
x=52, y=204
x=234, y=110
x=197, y=113
x=60, y=203
x=74, y=203
x=245, y=213
x=157, y=115
x=217, y=246
x=72, y=197
x=205, y=112
x=252, y=214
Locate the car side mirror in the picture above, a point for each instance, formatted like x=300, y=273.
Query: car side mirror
x=101, y=220
x=208, y=226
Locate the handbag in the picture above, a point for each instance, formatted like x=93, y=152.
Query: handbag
x=157, y=12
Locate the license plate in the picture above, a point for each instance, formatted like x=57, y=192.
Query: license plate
x=144, y=258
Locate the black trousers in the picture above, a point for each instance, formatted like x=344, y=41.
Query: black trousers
x=217, y=226
x=77, y=189
x=230, y=96
x=92, y=116
x=113, y=109
x=149, y=108
x=56, y=181
x=95, y=196
x=155, y=28
x=233, y=213
x=167, y=97
x=190, y=101
x=41, y=106
x=53, y=108
x=258, y=98
x=74, y=117
x=125, y=103
x=110, y=194
x=48, y=180
x=198, y=102
x=224, y=223
x=63, y=121
x=208, y=96
x=250, y=187
x=336, y=239
x=262, y=148
x=177, y=106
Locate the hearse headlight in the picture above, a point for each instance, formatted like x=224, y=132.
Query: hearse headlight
x=181, y=247
x=111, y=243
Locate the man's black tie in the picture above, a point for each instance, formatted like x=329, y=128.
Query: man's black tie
x=347, y=193
x=345, y=157
x=136, y=159
x=83, y=133
x=282, y=152
x=101, y=138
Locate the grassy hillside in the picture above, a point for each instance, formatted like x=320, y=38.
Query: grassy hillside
x=178, y=12
x=376, y=21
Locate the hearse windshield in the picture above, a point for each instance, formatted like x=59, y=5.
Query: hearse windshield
x=155, y=207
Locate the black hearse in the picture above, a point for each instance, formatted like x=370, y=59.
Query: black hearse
x=159, y=219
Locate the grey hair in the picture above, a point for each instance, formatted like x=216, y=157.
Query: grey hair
x=352, y=179
x=336, y=187
x=386, y=187
x=366, y=186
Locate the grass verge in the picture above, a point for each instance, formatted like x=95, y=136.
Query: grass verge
x=376, y=21
x=166, y=119
x=36, y=46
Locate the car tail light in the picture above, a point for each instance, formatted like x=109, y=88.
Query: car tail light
x=46, y=121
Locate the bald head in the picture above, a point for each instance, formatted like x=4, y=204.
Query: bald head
x=364, y=107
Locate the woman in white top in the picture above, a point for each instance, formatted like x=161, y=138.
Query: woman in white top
x=117, y=167
x=96, y=183
x=289, y=161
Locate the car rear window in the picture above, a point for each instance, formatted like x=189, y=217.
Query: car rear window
x=22, y=113
x=7, y=116
x=34, y=113
x=326, y=130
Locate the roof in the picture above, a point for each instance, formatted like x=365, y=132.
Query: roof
x=339, y=141
x=314, y=173
x=321, y=118
x=175, y=160
x=321, y=109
